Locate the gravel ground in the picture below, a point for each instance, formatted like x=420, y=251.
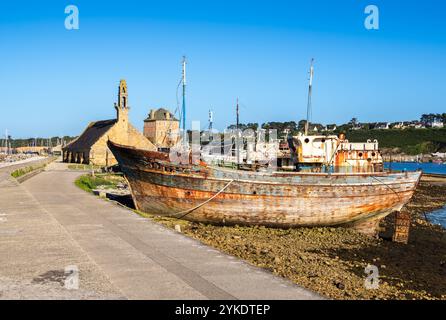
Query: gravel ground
x=332, y=261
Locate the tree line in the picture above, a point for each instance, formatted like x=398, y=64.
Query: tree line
x=38, y=142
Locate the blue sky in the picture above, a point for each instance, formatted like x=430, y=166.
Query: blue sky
x=55, y=81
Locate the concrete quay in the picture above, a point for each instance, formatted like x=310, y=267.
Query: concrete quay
x=48, y=227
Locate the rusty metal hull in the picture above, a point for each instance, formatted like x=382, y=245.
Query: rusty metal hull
x=253, y=198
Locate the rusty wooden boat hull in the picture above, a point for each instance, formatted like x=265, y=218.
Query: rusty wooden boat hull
x=224, y=196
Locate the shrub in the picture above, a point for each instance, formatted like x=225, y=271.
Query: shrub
x=89, y=183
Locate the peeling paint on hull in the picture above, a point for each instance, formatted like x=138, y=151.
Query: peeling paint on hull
x=254, y=198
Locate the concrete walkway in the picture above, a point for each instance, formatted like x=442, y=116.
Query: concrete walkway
x=51, y=224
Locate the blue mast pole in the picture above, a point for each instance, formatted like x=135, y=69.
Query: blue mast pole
x=184, y=103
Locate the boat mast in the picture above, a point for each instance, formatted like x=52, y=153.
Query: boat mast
x=237, y=142
x=183, y=113
x=8, y=143
x=307, y=123
x=4, y=143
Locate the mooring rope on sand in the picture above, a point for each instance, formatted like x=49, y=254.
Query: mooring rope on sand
x=186, y=212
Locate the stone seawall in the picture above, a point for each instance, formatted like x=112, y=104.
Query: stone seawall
x=39, y=166
x=409, y=158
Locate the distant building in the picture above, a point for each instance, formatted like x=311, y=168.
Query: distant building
x=91, y=146
x=397, y=125
x=57, y=150
x=357, y=126
x=417, y=125
x=330, y=127
x=436, y=124
x=414, y=124
x=420, y=126
x=406, y=124
x=316, y=127
x=161, y=128
x=380, y=125
x=439, y=154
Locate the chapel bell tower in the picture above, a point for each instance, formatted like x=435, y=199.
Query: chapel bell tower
x=122, y=108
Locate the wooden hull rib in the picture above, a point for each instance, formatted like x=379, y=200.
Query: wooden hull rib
x=253, y=198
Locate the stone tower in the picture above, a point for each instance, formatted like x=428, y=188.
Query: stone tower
x=91, y=146
x=161, y=128
x=122, y=108
x=122, y=113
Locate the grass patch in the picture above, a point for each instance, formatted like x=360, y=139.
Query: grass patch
x=89, y=183
x=22, y=171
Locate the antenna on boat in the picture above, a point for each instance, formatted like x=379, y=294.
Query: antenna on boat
x=307, y=123
x=210, y=119
x=183, y=113
x=238, y=114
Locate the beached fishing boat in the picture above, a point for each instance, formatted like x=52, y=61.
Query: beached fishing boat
x=211, y=194
x=342, y=184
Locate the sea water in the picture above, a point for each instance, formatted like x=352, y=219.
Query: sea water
x=438, y=216
x=426, y=167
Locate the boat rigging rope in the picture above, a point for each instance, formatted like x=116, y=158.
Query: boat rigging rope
x=169, y=128
x=387, y=186
x=186, y=212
